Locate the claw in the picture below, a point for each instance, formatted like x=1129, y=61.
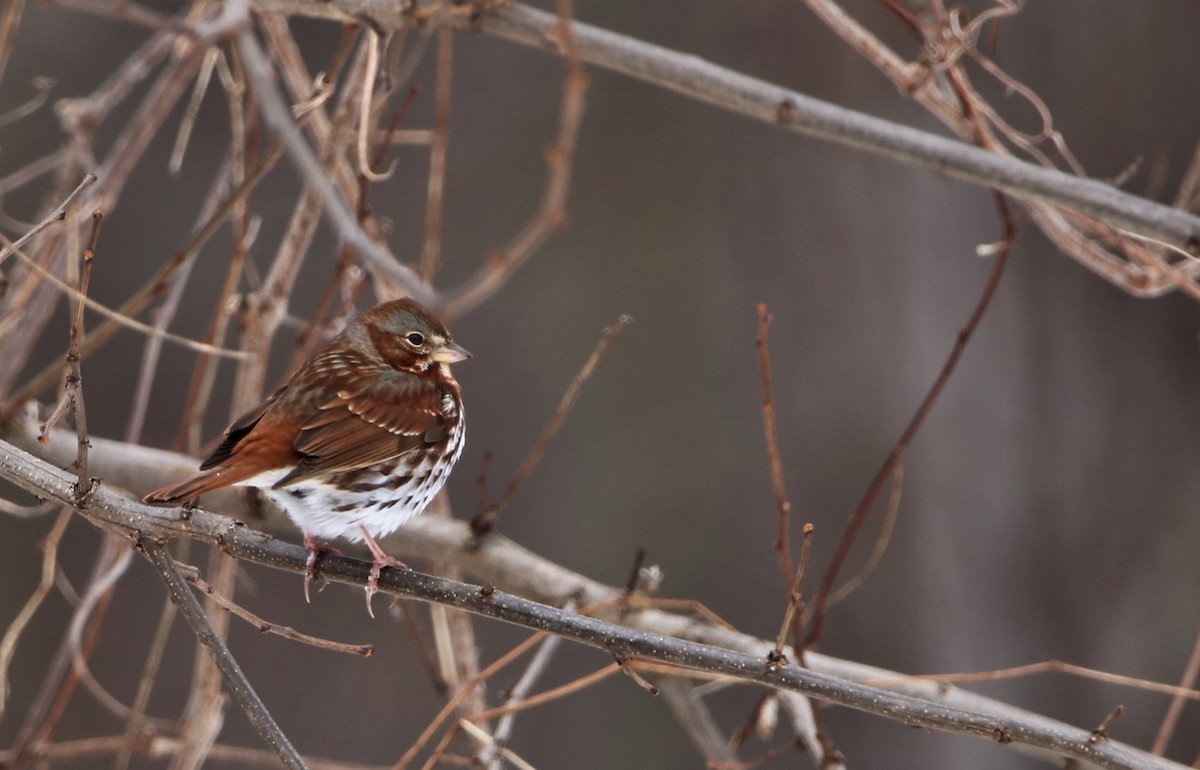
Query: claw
x=379, y=560
x=315, y=548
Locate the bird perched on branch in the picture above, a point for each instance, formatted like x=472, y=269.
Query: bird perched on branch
x=359, y=440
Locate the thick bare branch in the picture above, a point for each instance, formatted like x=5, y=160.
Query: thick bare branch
x=766, y=102
x=149, y=525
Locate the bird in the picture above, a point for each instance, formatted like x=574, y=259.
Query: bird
x=359, y=440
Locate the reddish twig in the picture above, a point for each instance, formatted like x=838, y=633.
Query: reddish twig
x=776, y=655
x=363, y=650
x=626, y=666
x=783, y=506
x=72, y=397
x=487, y=521
x=464, y=691
x=431, y=253
x=551, y=214
x=575, y=685
x=58, y=685
x=1101, y=732
x=12, y=635
x=894, y=456
x=890, y=515
x=58, y=215
x=1167, y=728
x=1044, y=667
x=762, y=720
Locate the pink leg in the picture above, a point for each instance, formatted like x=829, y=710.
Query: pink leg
x=315, y=548
x=379, y=560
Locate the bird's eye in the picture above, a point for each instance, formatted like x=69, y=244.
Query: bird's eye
x=416, y=339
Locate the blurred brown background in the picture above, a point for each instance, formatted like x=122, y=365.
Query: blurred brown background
x=1050, y=502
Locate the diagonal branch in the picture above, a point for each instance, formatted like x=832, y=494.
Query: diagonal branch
x=793, y=111
x=277, y=114
x=235, y=680
x=766, y=102
x=146, y=524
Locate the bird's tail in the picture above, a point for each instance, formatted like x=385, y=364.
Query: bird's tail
x=194, y=487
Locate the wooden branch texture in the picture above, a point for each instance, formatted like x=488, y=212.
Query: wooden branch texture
x=792, y=111
x=138, y=522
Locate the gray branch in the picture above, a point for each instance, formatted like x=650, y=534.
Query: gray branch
x=235, y=680
x=793, y=111
x=139, y=522
x=769, y=103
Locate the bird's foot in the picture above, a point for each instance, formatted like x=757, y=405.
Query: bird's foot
x=379, y=560
x=315, y=548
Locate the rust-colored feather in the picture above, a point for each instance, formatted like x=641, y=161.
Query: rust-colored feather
x=197, y=485
x=378, y=399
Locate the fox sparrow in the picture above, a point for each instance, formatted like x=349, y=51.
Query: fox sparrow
x=358, y=441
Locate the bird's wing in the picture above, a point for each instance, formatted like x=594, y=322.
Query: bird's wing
x=376, y=421
x=239, y=430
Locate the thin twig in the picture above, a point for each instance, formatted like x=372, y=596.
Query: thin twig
x=58, y=684
x=165, y=313
x=126, y=10
x=551, y=215
x=1044, y=667
x=696, y=720
x=1101, y=732
x=517, y=693
x=8, y=645
x=203, y=78
x=10, y=19
x=626, y=665
x=367, y=170
x=80, y=633
x=1170, y=719
x=479, y=734
x=362, y=650
x=854, y=525
x=763, y=720
x=235, y=680
x=160, y=747
x=58, y=215
x=890, y=515
x=767, y=756
x=463, y=692
x=75, y=378
x=72, y=397
x=116, y=316
x=431, y=253
x=556, y=693
x=783, y=506
x=41, y=92
x=279, y=117
x=487, y=521
x=793, y=597
x=158, y=645
x=33, y=170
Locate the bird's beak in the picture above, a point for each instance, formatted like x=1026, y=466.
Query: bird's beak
x=450, y=353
